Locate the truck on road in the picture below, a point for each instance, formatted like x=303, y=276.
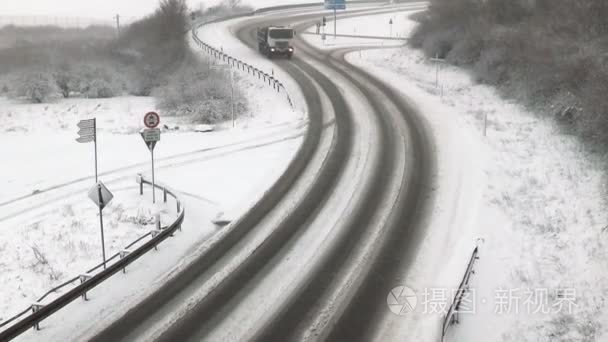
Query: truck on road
x=276, y=41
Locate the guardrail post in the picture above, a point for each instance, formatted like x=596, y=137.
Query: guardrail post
x=83, y=278
x=154, y=233
x=140, y=181
x=178, y=207
x=123, y=254
x=165, y=195
x=35, y=308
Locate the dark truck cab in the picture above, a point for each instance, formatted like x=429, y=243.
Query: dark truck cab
x=276, y=41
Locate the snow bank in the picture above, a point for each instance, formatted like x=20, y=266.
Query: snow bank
x=44, y=190
x=31, y=262
x=540, y=216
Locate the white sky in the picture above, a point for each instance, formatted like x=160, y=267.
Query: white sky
x=103, y=9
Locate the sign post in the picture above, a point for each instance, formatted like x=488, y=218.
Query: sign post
x=335, y=5
x=390, y=23
x=438, y=61
x=88, y=132
x=101, y=196
x=227, y=67
x=151, y=136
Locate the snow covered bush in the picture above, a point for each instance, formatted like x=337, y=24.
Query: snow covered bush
x=203, y=95
x=99, y=81
x=535, y=51
x=35, y=86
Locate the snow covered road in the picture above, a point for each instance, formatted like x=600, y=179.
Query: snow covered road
x=296, y=269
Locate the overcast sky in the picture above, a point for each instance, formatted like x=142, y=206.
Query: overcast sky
x=85, y=8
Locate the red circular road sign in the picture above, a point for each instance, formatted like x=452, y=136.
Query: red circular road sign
x=151, y=120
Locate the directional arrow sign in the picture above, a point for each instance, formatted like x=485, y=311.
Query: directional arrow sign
x=87, y=132
x=90, y=123
x=86, y=139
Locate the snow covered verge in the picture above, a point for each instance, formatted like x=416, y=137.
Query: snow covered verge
x=530, y=196
x=43, y=205
x=31, y=264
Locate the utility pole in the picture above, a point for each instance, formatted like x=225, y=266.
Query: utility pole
x=232, y=94
x=118, y=23
x=229, y=69
x=438, y=61
x=335, y=22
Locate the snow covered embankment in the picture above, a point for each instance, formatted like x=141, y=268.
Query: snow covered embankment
x=222, y=171
x=538, y=211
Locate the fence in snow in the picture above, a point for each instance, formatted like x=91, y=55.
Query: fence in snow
x=268, y=79
x=452, y=315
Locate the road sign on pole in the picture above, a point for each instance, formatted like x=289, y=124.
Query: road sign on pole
x=88, y=132
x=335, y=5
x=151, y=120
x=390, y=22
x=101, y=196
x=151, y=136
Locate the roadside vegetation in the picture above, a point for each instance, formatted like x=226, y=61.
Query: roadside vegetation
x=150, y=57
x=549, y=54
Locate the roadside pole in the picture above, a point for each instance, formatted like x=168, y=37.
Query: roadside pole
x=438, y=62
x=485, y=124
x=95, y=143
x=101, y=196
x=216, y=67
x=151, y=136
x=335, y=22
x=232, y=95
x=88, y=132
x=103, y=241
x=153, y=178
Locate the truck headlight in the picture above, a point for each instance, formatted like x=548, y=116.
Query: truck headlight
x=272, y=49
x=290, y=49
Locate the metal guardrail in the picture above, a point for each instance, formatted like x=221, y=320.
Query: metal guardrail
x=240, y=65
x=464, y=285
x=90, y=280
x=356, y=36
x=232, y=61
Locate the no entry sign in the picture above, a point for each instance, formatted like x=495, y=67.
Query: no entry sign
x=151, y=120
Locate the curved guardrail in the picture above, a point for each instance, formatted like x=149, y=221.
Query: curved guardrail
x=235, y=62
x=90, y=279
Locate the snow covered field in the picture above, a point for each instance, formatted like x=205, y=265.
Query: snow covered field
x=531, y=197
x=31, y=264
x=43, y=204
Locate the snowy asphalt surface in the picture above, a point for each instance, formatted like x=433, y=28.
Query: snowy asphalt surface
x=317, y=256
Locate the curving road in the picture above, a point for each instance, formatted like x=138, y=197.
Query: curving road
x=316, y=257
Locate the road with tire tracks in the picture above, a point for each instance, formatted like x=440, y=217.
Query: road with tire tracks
x=317, y=256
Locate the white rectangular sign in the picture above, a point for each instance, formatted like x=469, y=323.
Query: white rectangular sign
x=151, y=135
